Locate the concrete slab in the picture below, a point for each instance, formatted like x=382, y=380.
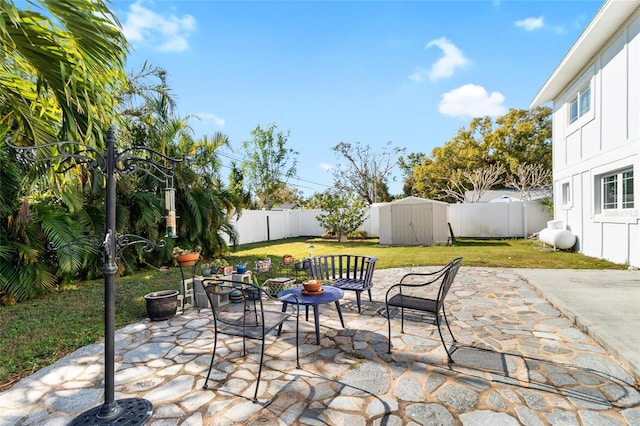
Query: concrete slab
x=605, y=304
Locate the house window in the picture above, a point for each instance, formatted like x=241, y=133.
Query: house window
x=566, y=194
x=627, y=189
x=617, y=190
x=580, y=104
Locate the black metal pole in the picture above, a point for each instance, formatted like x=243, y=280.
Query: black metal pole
x=110, y=408
x=129, y=411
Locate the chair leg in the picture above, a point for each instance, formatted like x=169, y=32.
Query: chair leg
x=446, y=321
x=444, y=345
x=255, y=395
x=358, y=301
x=213, y=356
x=389, y=328
x=370, y=299
x=298, y=337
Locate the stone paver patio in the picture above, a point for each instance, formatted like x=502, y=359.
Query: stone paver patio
x=519, y=362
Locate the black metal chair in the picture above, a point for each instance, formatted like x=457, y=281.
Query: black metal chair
x=347, y=271
x=410, y=293
x=246, y=310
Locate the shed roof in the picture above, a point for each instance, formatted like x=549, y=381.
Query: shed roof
x=611, y=16
x=416, y=200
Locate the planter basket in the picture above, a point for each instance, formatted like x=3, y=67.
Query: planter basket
x=276, y=285
x=162, y=305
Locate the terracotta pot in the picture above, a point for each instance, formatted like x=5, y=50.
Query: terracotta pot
x=312, y=285
x=188, y=259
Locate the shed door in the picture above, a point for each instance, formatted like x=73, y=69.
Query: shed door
x=401, y=225
x=422, y=222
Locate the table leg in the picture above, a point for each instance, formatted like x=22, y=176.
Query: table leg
x=339, y=309
x=317, y=321
x=284, y=309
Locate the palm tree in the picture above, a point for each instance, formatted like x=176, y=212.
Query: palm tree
x=203, y=203
x=71, y=100
x=75, y=98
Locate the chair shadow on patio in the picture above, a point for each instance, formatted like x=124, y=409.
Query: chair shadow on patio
x=585, y=386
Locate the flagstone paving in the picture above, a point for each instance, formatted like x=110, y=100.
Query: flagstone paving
x=519, y=361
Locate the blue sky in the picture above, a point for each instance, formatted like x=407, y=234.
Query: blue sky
x=410, y=72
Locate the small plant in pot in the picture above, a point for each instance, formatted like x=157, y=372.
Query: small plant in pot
x=186, y=257
x=218, y=266
x=299, y=264
x=206, y=269
x=263, y=264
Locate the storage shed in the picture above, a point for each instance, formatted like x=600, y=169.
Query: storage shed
x=413, y=221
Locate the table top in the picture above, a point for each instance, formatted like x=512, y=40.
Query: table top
x=330, y=294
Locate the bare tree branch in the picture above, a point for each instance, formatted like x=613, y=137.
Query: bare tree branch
x=527, y=178
x=366, y=172
x=456, y=187
x=481, y=180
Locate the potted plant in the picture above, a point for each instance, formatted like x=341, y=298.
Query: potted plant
x=186, y=257
x=218, y=266
x=206, y=269
x=299, y=264
x=263, y=264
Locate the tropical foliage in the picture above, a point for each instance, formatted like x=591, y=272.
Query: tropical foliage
x=40, y=103
x=47, y=204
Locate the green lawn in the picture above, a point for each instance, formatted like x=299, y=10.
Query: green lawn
x=36, y=333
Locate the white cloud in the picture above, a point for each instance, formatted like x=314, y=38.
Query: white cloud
x=445, y=66
x=471, y=100
x=326, y=166
x=530, y=24
x=165, y=33
x=419, y=76
x=207, y=117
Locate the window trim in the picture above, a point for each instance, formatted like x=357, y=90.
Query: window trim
x=566, y=194
x=599, y=200
x=574, y=94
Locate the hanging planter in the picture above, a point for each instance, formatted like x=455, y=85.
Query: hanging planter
x=162, y=305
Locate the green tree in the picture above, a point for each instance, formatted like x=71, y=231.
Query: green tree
x=341, y=214
x=519, y=137
x=236, y=186
x=413, y=160
x=268, y=164
x=63, y=63
x=365, y=172
x=523, y=137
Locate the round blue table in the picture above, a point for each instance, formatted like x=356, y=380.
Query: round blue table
x=330, y=294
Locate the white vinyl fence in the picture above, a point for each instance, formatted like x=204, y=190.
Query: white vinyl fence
x=516, y=219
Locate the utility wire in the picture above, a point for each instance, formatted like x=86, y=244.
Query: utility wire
x=297, y=178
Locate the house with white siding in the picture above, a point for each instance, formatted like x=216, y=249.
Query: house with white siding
x=595, y=91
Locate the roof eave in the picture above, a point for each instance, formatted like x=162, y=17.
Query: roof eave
x=602, y=27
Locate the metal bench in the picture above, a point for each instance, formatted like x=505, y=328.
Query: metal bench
x=347, y=271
